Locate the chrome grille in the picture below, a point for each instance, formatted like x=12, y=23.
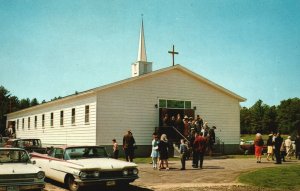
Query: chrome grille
x=7, y=181
x=110, y=174
x=17, y=176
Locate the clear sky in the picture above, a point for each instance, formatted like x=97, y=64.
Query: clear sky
x=54, y=48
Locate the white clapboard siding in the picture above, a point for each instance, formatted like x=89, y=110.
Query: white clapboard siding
x=68, y=133
x=132, y=106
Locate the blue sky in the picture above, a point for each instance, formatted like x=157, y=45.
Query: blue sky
x=54, y=48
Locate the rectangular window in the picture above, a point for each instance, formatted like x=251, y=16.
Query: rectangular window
x=43, y=120
x=18, y=124
x=28, y=122
x=188, y=104
x=61, y=118
x=23, y=123
x=87, y=114
x=176, y=104
x=35, y=121
x=73, y=116
x=162, y=103
x=51, y=119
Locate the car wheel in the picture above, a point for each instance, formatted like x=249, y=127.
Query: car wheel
x=72, y=184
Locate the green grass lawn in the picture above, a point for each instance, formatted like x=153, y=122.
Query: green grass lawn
x=279, y=178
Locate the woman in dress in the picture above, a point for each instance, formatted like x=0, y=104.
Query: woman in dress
x=270, y=145
x=258, y=145
x=154, y=152
x=163, y=152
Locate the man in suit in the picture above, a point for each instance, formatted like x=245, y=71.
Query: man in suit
x=277, y=145
x=128, y=146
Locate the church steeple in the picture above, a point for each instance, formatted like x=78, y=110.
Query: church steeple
x=141, y=66
x=142, y=56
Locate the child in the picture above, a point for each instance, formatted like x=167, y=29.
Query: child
x=115, y=149
x=183, y=153
x=155, y=153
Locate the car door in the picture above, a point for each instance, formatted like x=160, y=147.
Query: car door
x=56, y=165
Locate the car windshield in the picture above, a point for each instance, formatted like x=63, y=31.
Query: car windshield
x=85, y=152
x=13, y=156
x=29, y=143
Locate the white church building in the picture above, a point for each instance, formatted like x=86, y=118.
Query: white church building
x=96, y=116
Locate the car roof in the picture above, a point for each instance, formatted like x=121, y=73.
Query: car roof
x=17, y=139
x=75, y=146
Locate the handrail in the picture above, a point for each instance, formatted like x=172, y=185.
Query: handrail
x=180, y=134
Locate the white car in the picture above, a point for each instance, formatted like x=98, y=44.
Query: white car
x=78, y=166
x=17, y=172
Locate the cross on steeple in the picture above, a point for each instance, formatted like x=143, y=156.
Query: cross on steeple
x=173, y=52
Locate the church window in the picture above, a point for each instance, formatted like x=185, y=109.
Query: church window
x=162, y=103
x=87, y=114
x=187, y=104
x=18, y=124
x=61, y=118
x=73, y=116
x=28, y=122
x=35, y=121
x=175, y=104
x=43, y=120
x=51, y=119
x=22, y=123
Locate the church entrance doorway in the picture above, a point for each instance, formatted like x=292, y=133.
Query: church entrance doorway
x=171, y=115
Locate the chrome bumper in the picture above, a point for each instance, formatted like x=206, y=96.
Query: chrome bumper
x=118, y=180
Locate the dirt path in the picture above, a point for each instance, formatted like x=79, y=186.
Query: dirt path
x=217, y=175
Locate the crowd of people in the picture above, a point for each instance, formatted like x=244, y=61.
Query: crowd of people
x=196, y=138
x=160, y=151
x=276, y=146
x=187, y=128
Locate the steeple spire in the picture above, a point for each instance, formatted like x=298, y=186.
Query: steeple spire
x=142, y=56
x=141, y=66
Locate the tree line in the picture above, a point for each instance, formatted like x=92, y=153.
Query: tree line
x=262, y=118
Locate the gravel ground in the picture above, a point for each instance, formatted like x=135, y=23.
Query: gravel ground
x=217, y=175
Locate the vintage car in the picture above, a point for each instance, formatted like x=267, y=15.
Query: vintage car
x=78, y=166
x=17, y=172
x=247, y=147
x=30, y=145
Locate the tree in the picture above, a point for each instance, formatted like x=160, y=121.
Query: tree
x=4, y=99
x=289, y=115
x=245, y=120
x=270, y=119
x=14, y=104
x=257, y=114
x=24, y=103
x=34, y=102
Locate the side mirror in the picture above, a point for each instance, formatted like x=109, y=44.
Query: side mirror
x=34, y=162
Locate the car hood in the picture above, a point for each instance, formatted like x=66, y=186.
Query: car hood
x=18, y=168
x=103, y=163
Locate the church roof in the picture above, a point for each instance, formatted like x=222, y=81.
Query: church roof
x=132, y=79
x=176, y=67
